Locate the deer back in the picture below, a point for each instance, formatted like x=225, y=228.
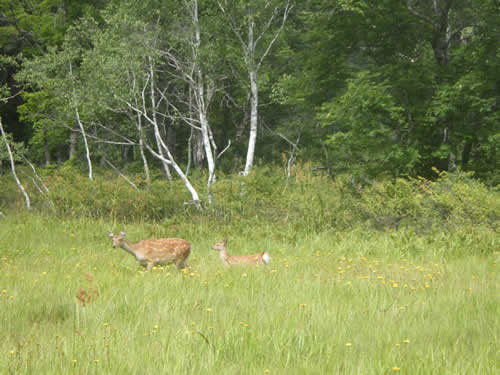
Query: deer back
x=158, y=249
x=254, y=259
x=228, y=260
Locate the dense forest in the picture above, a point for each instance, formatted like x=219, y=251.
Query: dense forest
x=166, y=89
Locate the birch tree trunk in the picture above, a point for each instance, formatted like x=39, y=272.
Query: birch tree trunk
x=167, y=158
x=141, y=150
x=72, y=144
x=80, y=125
x=163, y=153
x=140, y=131
x=46, y=151
x=209, y=155
x=196, y=138
x=154, y=106
x=252, y=61
x=202, y=98
x=198, y=151
x=84, y=136
x=254, y=104
x=13, y=167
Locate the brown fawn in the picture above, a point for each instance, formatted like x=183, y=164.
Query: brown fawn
x=238, y=260
x=155, y=251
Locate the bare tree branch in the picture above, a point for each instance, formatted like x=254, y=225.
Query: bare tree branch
x=269, y=46
x=420, y=15
x=13, y=168
x=120, y=174
x=225, y=149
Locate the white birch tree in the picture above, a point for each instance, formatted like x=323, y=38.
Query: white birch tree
x=13, y=168
x=75, y=103
x=260, y=19
x=163, y=154
x=186, y=65
x=133, y=85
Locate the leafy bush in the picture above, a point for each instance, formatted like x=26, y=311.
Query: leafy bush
x=306, y=203
x=450, y=201
x=111, y=196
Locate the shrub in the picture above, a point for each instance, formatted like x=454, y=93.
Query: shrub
x=453, y=200
x=306, y=203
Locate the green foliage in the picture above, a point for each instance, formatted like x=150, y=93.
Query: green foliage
x=6, y=63
x=469, y=104
x=266, y=198
x=48, y=133
x=369, y=130
x=17, y=148
x=49, y=102
x=74, y=195
x=31, y=23
x=367, y=73
x=10, y=198
x=452, y=201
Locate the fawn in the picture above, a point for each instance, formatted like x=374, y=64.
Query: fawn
x=155, y=251
x=228, y=260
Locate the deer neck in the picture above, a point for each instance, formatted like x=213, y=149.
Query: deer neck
x=224, y=255
x=128, y=247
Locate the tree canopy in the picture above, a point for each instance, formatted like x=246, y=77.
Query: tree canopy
x=387, y=88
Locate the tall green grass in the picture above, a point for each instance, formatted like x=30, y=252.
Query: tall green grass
x=337, y=301
x=395, y=277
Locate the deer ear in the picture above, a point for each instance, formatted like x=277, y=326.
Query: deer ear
x=110, y=234
x=122, y=234
x=225, y=241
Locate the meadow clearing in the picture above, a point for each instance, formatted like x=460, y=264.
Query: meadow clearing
x=337, y=302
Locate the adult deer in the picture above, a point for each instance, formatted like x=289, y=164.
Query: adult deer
x=236, y=260
x=150, y=252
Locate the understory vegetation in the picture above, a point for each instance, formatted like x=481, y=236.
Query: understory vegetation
x=393, y=277
x=307, y=201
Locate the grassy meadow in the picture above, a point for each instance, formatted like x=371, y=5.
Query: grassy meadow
x=353, y=302
x=399, y=279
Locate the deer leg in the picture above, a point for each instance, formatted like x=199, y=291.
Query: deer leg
x=180, y=264
x=149, y=266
